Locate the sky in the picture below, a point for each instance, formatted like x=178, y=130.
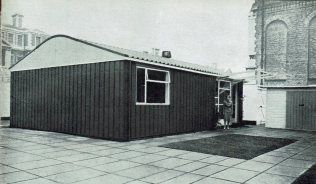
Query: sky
x=196, y=31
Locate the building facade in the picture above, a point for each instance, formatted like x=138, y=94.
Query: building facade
x=285, y=47
x=118, y=94
x=20, y=40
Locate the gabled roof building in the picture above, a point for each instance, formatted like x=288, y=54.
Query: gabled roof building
x=84, y=88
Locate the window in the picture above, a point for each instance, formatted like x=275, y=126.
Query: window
x=18, y=58
x=38, y=40
x=20, y=42
x=12, y=60
x=10, y=38
x=2, y=35
x=152, y=86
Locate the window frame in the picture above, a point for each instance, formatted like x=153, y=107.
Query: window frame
x=12, y=38
x=167, y=86
x=17, y=40
x=40, y=40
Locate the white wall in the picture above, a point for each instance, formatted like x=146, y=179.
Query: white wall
x=4, y=99
x=253, y=104
x=276, y=108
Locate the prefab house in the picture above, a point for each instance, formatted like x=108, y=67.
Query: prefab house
x=83, y=88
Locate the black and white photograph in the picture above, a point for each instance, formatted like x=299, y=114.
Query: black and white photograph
x=158, y=92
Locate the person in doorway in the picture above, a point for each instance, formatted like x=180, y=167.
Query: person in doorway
x=227, y=111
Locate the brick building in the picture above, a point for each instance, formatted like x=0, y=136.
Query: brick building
x=285, y=46
x=19, y=41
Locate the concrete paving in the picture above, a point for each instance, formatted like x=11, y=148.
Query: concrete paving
x=30, y=156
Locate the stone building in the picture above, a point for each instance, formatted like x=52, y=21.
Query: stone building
x=18, y=41
x=285, y=46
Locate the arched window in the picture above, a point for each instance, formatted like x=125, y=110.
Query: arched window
x=312, y=49
x=276, y=46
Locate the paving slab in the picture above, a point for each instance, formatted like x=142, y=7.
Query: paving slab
x=29, y=156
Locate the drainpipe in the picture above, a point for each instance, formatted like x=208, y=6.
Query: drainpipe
x=262, y=40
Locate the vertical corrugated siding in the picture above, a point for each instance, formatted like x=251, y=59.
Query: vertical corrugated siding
x=191, y=106
x=301, y=110
x=89, y=100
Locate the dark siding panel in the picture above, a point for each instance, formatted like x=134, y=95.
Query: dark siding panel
x=54, y=107
x=111, y=99
x=49, y=97
x=176, y=101
x=82, y=88
x=117, y=101
x=24, y=100
x=100, y=87
x=78, y=104
x=41, y=120
x=106, y=101
x=173, y=95
x=92, y=123
x=134, y=123
x=191, y=106
x=45, y=99
x=59, y=100
x=72, y=100
x=30, y=99
x=88, y=99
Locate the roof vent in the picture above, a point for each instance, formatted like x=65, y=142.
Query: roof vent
x=166, y=54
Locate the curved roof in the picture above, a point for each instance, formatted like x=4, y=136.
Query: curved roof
x=137, y=56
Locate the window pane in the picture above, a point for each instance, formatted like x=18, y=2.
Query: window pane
x=10, y=39
x=157, y=75
x=156, y=92
x=140, y=85
x=38, y=40
x=19, y=40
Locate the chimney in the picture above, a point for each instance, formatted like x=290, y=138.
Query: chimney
x=166, y=54
x=155, y=51
x=17, y=20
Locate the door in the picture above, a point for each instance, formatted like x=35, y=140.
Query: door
x=301, y=110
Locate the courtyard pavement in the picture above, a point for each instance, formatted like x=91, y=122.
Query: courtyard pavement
x=32, y=157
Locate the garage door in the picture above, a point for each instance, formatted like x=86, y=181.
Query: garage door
x=301, y=110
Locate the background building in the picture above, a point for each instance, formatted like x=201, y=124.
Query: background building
x=20, y=40
x=286, y=48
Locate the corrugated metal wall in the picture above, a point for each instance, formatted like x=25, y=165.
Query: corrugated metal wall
x=191, y=108
x=89, y=100
x=99, y=100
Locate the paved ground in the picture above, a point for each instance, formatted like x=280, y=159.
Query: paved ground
x=29, y=156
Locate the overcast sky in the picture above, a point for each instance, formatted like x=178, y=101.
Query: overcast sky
x=197, y=31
